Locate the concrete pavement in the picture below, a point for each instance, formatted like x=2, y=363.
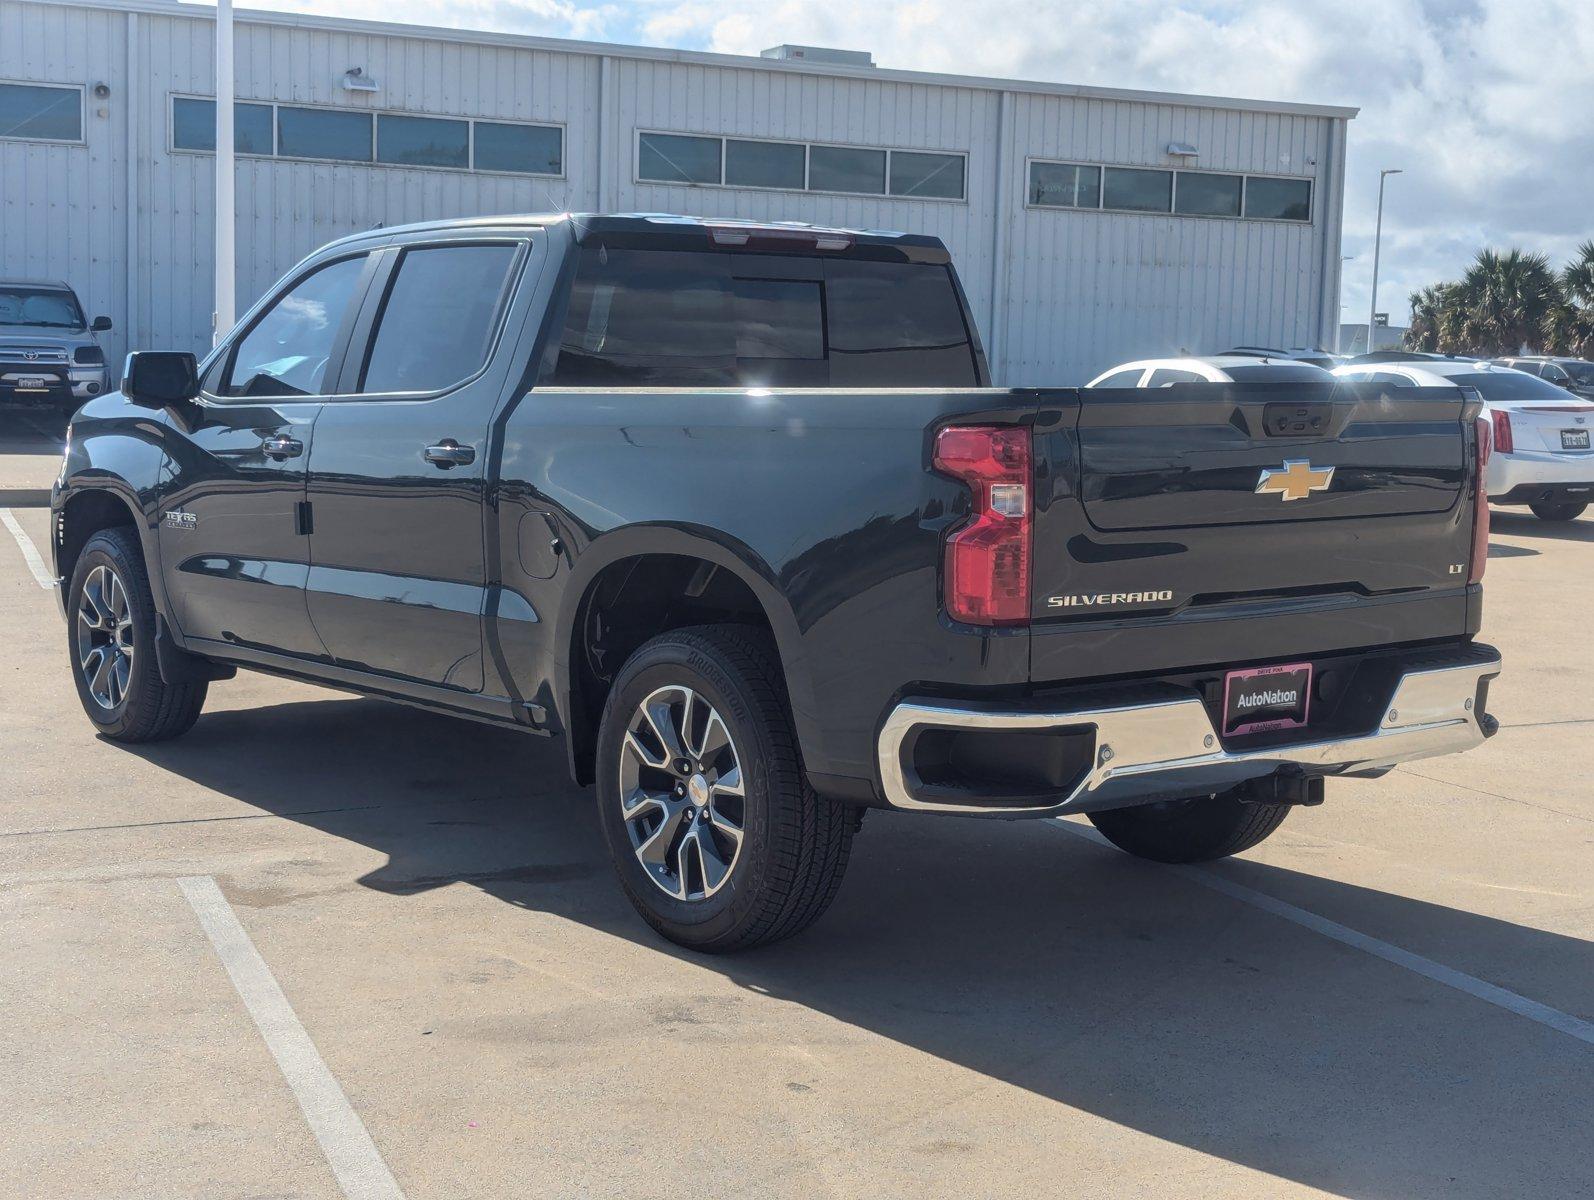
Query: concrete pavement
x=988, y=1010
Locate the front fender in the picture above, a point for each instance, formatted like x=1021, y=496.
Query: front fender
x=115, y=451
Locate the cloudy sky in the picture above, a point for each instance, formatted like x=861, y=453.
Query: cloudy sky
x=1487, y=105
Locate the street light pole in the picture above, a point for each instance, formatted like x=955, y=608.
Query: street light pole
x=226, y=260
x=1378, y=237
x=1339, y=317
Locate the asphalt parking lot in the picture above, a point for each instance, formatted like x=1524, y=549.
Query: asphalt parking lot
x=414, y=974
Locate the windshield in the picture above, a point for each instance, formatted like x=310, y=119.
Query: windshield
x=54, y=308
x=1507, y=385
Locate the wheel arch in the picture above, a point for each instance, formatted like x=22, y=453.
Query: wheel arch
x=89, y=510
x=634, y=583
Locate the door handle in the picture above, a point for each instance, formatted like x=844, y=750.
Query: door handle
x=281, y=446
x=449, y=454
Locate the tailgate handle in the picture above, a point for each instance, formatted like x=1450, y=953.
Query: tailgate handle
x=1297, y=420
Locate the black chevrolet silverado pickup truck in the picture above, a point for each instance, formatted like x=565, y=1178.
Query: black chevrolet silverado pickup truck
x=733, y=509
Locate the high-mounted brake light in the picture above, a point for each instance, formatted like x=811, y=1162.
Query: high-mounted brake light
x=1480, y=513
x=987, y=576
x=1502, y=431
x=779, y=236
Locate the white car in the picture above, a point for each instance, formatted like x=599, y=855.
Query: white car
x=1217, y=368
x=1542, y=453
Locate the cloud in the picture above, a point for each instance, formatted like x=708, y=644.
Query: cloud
x=1486, y=105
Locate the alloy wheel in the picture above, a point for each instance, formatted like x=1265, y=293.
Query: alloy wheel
x=681, y=793
x=104, y=629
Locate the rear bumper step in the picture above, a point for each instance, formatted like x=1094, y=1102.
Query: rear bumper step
x=1164, y=745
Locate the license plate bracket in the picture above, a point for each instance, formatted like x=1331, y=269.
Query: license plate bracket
x=1259, y=699
x=1574, y=439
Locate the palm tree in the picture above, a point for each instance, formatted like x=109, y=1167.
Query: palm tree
x=1572, y=324
x=1507, y=299
x=1427, y=309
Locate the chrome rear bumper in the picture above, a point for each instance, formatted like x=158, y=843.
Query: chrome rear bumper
x=1146, y=749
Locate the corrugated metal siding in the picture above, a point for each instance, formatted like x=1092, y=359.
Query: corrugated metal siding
x=691, y=99
x=60, y=215
x=1059, y=295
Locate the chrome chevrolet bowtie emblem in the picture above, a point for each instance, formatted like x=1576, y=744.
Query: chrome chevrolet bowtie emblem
x=1295, y=480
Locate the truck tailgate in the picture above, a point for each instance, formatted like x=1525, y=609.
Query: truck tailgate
x=1238, y=517
x=1191, y=454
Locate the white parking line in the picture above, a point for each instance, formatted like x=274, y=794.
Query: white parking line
x=1554, y=1018
x=30, y=552
x=348, y=1147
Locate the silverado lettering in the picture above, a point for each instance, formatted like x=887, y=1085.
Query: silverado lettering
x=768, y=558
x=1109, y=598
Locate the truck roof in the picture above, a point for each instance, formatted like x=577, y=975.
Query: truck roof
x=664, y=227
x=10, y=281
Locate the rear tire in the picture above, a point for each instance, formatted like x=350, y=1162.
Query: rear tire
x=1186, y=831
x=111, y=640
x=1545, y=511
x=719, y=841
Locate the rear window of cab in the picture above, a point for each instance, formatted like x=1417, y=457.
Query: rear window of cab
x=680, y=318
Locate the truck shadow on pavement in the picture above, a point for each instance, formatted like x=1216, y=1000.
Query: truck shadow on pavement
x=1019, y=952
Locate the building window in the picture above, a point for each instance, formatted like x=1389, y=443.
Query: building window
x=1201, y=195
x=521, y=149
x=422, y=141
x=402, y=139
x=671, y=158
x=194, y=126
x=1064, y=185
x=914, y=173
x=766, y=164
x=843, y=169
x=799, y=166
x=1132, y=189
x=1159, y=190
x=324, y=133
x=1270, y=199
x=41, y=113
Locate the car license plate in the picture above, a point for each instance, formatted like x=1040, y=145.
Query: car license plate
x=32, y=383
x=1264, y=698
x=1574, y=439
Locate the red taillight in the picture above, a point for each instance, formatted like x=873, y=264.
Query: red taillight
x=987, y=560
x=1480, y=514
x=1502, y=431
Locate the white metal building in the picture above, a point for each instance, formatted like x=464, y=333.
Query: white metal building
x=1090, y=225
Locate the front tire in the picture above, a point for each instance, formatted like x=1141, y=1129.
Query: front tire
x=718, y=839
x=1546, y=511
x=111, y=639
x=1186, y=831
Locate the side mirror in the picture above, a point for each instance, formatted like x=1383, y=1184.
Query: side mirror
x=101, y=324
x=160, y=378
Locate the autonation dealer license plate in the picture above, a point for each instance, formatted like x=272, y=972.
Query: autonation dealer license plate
x=1265, y=698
